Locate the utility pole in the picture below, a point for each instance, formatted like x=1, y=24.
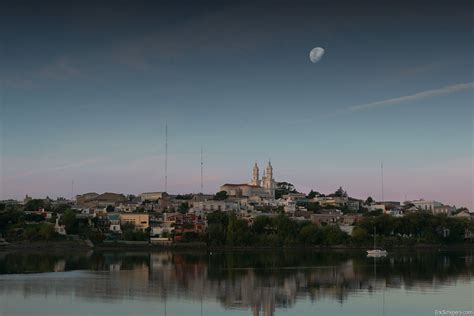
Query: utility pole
x=383, y=198
x=166, y=158
x=202, y=173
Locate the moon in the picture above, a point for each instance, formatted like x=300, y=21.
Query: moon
x=316, y=54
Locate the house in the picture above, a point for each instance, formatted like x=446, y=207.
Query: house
x=213, y=205
x=153, y=196
x=91, y=200
x=82, y=198
x=327, y=218
x=186, y=223
x=395, y=211
x=60, y=229
x=375, y=207
x=114, y=222
x=139, y=220
x=465, y=214
x=423, y=205
x=444, y=209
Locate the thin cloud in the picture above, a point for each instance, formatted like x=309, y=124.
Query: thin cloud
x=59, y=69
x=73, y=165
x=413, y=97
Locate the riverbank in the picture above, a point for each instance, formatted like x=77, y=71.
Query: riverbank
x=49, y=246
x=81, y=245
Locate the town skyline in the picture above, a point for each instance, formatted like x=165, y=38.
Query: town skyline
x=87, y=89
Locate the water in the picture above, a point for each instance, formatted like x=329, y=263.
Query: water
x=239, y=283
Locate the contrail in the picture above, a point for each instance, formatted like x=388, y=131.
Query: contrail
x=413, y=97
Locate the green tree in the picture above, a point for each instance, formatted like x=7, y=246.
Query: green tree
x=312, y=194
x=231, y=230
x=34, y=205
x=46, y=231
x=70, y=221
x=220, y=196
x=340, y=193
x=283, y=188
x=183, y=208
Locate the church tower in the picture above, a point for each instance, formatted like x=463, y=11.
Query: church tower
x=268, y=183
x=269, y=171
x=255, y=175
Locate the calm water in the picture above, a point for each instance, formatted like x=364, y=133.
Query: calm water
x=265, y=283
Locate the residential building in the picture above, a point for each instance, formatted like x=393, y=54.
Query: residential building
x=153, y=196
x=114, y=222
x=89, y=200
x=139, y=220
x=423, y=205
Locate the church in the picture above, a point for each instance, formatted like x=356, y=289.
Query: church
x=264, y=187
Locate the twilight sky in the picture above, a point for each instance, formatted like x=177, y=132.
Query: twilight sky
x=87, y=88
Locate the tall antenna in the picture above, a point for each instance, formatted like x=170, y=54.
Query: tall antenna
x=166, y=158
x=72, y=190
x=202, y=173
x=381, y=166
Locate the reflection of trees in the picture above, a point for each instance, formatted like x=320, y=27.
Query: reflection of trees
x=257, y=281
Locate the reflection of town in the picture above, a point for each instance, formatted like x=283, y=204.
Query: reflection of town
x=257, y=282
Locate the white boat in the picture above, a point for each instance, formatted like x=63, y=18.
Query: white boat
x=376, y=252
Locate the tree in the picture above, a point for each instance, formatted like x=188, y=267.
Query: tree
x=183, y=208
x=220, y=196
x=369, y=201
x=69, y=220
x=34, y=205
x=231, y=230
x=312, y=194
x=61, y=208
x=110, y=209
x=340, y=193
x=283, y=188
x=46, y=231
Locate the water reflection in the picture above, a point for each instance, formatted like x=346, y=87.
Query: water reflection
x=260, y=282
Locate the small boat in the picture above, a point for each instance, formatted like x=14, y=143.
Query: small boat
x=376, y=252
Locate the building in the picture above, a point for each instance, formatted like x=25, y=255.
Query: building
x=82, y=198
x=153, y=196
x=139, y=221
x=444, y=209
x=186, y=224
x=213, y=205
x=264, y=187
x=465, y=214
x=114, y=222
x=95, y=200
x=423, y=205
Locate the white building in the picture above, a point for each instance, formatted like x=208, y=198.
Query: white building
x=152, y=196
x=213, y=205
x=264, y=187
x=426, y=205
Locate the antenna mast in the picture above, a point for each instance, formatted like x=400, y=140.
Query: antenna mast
x=381, y=166
x=166, y=158
x=202, y=173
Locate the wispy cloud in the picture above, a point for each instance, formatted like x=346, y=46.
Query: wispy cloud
x=58, y=69
x=412, y=97
x=389, y=102
x=73, y=165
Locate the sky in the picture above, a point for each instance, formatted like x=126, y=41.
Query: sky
x=87, y=88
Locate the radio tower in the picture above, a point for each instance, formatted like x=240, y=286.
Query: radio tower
x=381, y=167
x=166, y=158
x=202, y=173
